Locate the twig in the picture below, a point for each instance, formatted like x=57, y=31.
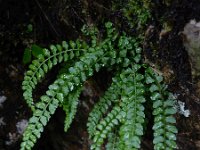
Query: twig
x=46, y=17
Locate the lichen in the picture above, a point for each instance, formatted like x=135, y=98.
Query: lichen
x=2, y=100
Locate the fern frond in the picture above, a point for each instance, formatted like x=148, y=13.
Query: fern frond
x=113, y=141
x=110, y=97
x=128, y=113
x=66, y=83
x=119, y=114
x=131, y=129
x=70, y=107
x=163, y=105
x=40, y=117
x=105, y=126
x=99, y=126
x=45, y=62
x=43, y=111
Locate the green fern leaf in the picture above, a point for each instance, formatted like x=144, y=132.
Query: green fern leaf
x=102, y=107
x=164, y=129
x=104, y=127
x=44, y=63
x=132, y=128
x=70, y=107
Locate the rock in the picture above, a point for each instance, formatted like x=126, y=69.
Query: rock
x=191, y=41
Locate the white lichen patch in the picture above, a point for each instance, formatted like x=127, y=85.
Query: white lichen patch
x=14, y=137
x=21, y=126
x=181, y=109
x=2, y=100
x=2, y=123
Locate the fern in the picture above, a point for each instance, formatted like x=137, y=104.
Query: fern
x=44, y=63
x=113, y=141
x=132, y=127
x=105, y=126
x=120, y=112
x=102, y=107
x=94, y=58
x=129, y=115
x=163, y=105
x=40, y=117
x=70, y=107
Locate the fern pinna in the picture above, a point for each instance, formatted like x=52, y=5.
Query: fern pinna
x=119, y=115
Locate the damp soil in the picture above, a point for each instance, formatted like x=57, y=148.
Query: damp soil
x=55, y=21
